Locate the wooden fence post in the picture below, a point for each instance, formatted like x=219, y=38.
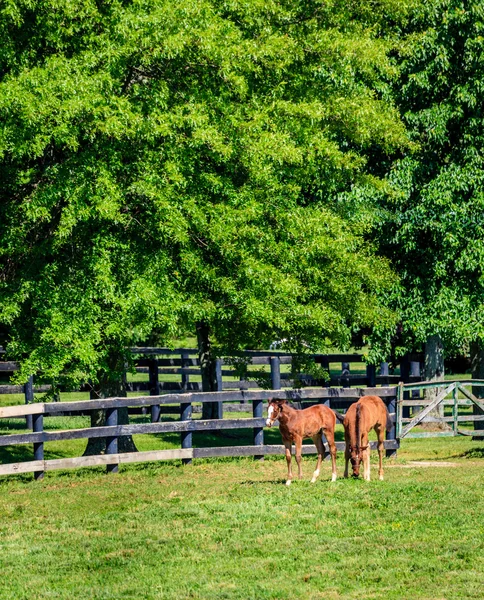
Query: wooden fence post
x=324, y=362
x=154, y=389
x=29, y=398
x=185, y=378
x=112, y=441
x=371, y=375
x=275, y=373
x=38, y=427
x=345, y=371
x=392, y=434
x=186, y=412
x=384, y=372
x=218, y=375
x=415, y=372
x=404, y=376
x=257, y=410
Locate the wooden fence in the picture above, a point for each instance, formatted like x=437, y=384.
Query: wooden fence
x=182, y=404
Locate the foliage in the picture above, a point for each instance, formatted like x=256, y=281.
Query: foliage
x=431, y=224
x=165, y=162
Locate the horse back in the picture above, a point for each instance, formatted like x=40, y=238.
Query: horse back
x=312, y=420
x=375, y=411
x=367, y=412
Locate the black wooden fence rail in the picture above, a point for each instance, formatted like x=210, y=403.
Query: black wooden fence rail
x=184, y=363
x=112, y=431
x=161, y=364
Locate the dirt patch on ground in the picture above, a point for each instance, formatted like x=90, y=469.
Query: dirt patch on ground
x=424, y=463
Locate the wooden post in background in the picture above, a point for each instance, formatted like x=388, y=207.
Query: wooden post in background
x=477, y=369
x=186, y=412
x=218, y=375
x=275, y=372
x=154, y=389
x=345, y=371
x=112, y=441
x=324, y=362
x=257, y=411
x=29, y=398
x=404, y=376
x=392, y=434
x=371, y=375
x=415, y=372
x=38, y=427
x=384, y=372
x=185, y=378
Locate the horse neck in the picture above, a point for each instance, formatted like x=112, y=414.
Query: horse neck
x=287, y=413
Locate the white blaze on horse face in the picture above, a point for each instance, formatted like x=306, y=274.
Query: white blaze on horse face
x=270, y=411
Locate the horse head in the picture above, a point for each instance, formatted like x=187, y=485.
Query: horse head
x=356, y=456
x=273, y=411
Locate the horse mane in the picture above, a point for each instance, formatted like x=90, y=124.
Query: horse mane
x=357, y=425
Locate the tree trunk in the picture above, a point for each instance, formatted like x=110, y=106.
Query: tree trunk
x=210, y=410
x=434, y=371
x=108, y=389
x=477, y=370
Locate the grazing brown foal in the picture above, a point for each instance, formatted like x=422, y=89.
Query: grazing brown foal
x=296, y=425
x=368, y=413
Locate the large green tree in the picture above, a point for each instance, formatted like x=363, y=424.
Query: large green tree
x=431, y=225
x=168, y=165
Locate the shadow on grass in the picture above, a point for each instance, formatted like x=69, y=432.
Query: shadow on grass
x=13, y=454
x=254, y=483
x=473, y=453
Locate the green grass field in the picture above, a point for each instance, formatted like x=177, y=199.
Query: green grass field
x=230, y=529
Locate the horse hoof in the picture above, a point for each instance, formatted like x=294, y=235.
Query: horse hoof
x=380, y=477
x=333, y=477
x=288, y=482
x=313, y=480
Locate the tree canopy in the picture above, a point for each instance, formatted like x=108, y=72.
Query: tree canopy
x=431, y=226
x=168, y=162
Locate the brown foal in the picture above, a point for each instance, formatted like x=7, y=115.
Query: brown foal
x=368, y=413
x=296, y=425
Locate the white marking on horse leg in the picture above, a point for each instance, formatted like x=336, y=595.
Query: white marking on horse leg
x=333, y=477
x=315, y=476
x=366, y=463
x=288, y=482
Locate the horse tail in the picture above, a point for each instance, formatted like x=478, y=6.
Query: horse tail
x=389, y=424
x=339, y=416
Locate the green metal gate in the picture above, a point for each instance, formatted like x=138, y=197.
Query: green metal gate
x=453, y=394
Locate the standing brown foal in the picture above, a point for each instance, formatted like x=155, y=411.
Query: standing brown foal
x=368, y=413
x=296, y=425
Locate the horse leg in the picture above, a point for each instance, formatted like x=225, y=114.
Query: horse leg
x=347, y=453
x=318, y=442
x=366, y=456
x=380, y=434
x=329, y=434
x=298, y=442
x=367, y=460
x=288, y=446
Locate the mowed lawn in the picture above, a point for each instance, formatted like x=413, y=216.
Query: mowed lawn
x=231, y=529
